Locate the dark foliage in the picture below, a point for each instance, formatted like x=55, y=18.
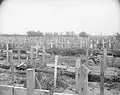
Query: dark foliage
x=1, y=2
x=33, y=33
x=66, y=52
x=83, y=34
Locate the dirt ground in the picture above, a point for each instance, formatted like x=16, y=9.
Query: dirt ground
x=94, y=87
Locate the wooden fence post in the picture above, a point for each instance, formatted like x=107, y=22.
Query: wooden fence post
x=30, y=81
x=55, y=70
x=83, y=80
x=78, y=64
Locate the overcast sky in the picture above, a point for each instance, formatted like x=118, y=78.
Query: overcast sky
x=91, y=16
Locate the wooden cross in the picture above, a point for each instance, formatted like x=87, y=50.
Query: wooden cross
x=87, y=51
x=80, y=42
x=56, y=66
x=43, y=55
x=55, y=70
x=19, y=59
x=12, y=68
x=7, y=51
x=10, y=61
x=43, y=49
x=51, y=44
x=37, y=48
x=31, y=55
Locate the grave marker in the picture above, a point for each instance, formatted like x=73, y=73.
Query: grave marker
x=30, y=81
x=105, y=58
x=37, y=48
x=43, y=55
x=19, y=53
x=83, y=80
x=87, y=51
x=78, y=63
x=81, y=43
x=102, y=78
x=31, y=55
x=55, y=70
x=51, y=45
x=7, y=51
x=43, y=49
x=102, y=70
x=12, y=67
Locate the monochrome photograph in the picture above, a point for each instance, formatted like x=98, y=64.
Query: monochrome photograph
x=59, y=47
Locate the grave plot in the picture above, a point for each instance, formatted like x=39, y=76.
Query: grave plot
x=58, y=77
x=31, y=82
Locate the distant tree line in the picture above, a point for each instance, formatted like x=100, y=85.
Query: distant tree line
x=33, y=33
x=67, y=34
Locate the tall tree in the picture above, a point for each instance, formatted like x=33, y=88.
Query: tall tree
x=83, y=34
x=33, y=33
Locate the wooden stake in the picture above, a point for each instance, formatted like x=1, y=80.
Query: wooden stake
x=7, y=51
x=31, y=55
x=105, y=58
x=55, y=71
x=19, y=53
x=78, y=64
x=81, y=42
x=51, y=46
x=37, y=48
x=44, y=55
x=30, y=81
x=68, y=42
x=102, y=78
x=12, y=67
x=87, y=51
x=103, y=44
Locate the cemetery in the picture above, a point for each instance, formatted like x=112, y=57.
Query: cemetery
x=40, y=71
